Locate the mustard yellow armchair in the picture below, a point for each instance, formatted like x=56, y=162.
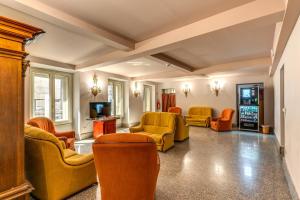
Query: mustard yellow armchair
x=199, y=116
x=182, y=129
x=160, y=126
x=54, y=171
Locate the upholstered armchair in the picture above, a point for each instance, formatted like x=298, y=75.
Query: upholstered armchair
x=176, y=110
x=160, y=126
x=182, y=129
x=46, y=124
x=224, y=122
x=199, y=116
x=54, y=171
x=127, y=166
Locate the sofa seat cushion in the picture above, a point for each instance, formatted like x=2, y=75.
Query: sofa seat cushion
x=79, y=159
x=196, y=118
x=156, y=137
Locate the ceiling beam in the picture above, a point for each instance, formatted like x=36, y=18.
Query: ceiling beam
x=290, y=19
x=58, y=17
x=220, y=68
x=256, y=13
x=173, y=62
x=50, y=64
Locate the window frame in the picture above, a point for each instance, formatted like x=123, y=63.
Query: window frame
x=145, y=86
x=114, y=82
x=51, y=74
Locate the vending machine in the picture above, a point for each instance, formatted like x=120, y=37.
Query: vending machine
x=250, y=107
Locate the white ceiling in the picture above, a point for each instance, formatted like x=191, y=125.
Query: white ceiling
x=139, y=20
x=225, y=46
x=137, y=67
x=57, y=43
x=142, y=19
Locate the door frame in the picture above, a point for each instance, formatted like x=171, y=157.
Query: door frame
x=282, y=112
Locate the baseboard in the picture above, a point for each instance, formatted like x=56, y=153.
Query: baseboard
x=291, y=185
x=287, y=175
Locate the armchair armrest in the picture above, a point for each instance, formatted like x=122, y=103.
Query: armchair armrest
x=63, y=141
x=135, y=129
x=68, y=134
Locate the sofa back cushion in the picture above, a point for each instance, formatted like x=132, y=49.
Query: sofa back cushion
x=202, y=111
x=40, y=134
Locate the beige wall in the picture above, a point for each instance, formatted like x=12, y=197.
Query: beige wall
x=201, y=94
x=291, y=61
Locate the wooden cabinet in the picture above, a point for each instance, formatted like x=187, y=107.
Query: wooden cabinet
x=104, y=126
x=13, y=36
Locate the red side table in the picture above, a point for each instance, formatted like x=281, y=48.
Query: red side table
x=104, y=126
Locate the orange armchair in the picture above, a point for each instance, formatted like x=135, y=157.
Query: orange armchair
x=223, y=123
x=46, y=124
x=176, y=110
x=127, y=166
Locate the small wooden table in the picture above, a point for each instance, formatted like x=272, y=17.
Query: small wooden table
x=104, y=125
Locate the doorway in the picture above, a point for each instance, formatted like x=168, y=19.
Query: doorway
x=282, y=112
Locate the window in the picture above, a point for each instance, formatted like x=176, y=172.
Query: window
x=116, y=97
x=147, y=98
x=51, y=95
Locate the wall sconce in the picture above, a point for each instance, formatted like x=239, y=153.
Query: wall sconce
x=136, y=91
x=95, y=88
x=186, y=89
x=216, y=87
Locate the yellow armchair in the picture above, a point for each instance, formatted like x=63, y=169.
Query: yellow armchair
x=182, y=129
x=199, y=116
x=54, y=171
x=160, y=126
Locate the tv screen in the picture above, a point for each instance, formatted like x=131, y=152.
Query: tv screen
x=100, y=109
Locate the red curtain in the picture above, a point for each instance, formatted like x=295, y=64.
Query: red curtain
x=168, y=100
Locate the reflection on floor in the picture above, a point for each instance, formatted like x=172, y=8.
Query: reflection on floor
x=210, y=165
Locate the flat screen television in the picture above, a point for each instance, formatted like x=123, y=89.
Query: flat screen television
x=100, y=109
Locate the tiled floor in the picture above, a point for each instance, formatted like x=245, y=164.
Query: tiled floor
x=231, y=165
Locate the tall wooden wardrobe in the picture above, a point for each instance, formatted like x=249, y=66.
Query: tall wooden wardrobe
x=13, y=36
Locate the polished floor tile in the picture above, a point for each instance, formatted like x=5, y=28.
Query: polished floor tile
x=210, y=165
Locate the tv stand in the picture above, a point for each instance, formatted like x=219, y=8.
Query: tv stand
x=104, y=125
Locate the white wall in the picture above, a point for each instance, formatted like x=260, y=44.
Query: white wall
x=133, y=107
x=291, y=61
x=201, y=94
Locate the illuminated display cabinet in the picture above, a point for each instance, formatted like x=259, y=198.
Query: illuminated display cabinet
x=250, y=106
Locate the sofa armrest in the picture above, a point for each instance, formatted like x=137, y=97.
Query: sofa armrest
x=135, y=129
x=68, y=134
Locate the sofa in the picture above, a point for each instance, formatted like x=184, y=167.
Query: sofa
x=54, y=171
x=160, y=126
x=46, y=124
x=182, y=129
x=127, y=166
x=224, y=122
x=199, y=116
